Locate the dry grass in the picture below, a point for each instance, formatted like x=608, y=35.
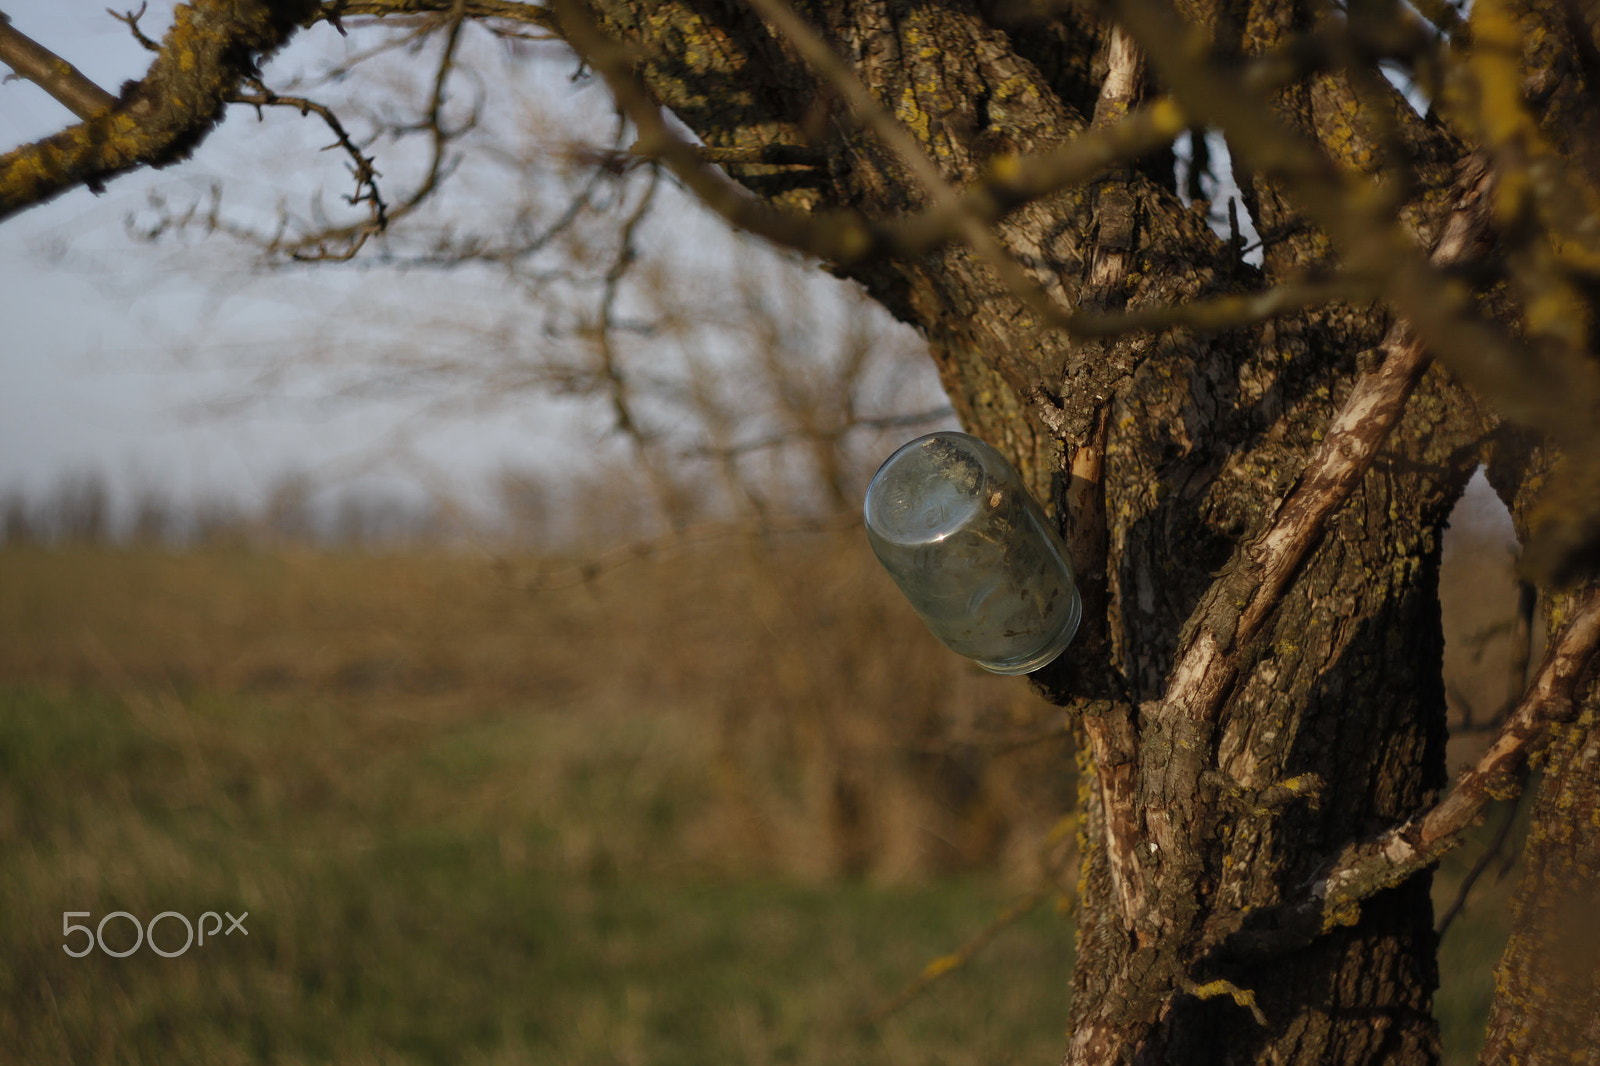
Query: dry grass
x=834, y=735
x=471, y=823
x=596, y=823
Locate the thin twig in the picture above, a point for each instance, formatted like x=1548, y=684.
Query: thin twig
x=340, y=243
x=508, y=10
x=361, y=165
x=1508, y=820
x=1549, y=698
x=778, y=440
x=552, y=577
x=1057, y=853
x=1219, y=313
x=131, y=19
x=610, y=370
x=440, y=139
x=1521, y=649
x=955, y=960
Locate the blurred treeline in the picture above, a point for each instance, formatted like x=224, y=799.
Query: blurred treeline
x=81, y=509
x=821, y=730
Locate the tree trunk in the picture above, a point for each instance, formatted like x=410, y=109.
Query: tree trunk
x=1161, y=452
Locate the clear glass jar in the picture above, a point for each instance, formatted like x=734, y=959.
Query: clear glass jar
x=950, y=520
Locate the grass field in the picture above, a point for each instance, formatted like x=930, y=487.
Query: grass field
x=603, y=822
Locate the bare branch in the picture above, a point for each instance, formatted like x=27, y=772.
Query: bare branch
x=1491, y=852
x=212, y=46
x=970, y=228
x=778, y=155
x=361, y=164
x=948, y=964
x=131, y=19
x=846, y=237
x=610, y=370
x=1256, y=579
x=1121, y=133
x=341, y=242
x=1334, y=898
x=1220, y=313
x=778, y=440
x=1360, y=218
x=354, y=237
x=508, y=10
x=51, y=73
x=560, y=576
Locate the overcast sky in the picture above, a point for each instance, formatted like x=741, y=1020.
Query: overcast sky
x=143, y=361
x=124, y=358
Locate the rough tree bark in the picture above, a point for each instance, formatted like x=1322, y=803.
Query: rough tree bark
x=1255, y=509
x=1198, y=436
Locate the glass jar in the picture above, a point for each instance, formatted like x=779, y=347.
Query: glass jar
x=950, y=520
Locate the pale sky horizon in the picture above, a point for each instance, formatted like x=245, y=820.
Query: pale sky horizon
x=121, y=360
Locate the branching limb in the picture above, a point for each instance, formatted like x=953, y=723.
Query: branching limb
x=1335, y=897
x=611, y=372
x=1547, y=387
x=315, y=240
x=846, y=237
x=1221, y=313
x=1549, y=698
x=1121, y=133
x=1255, y=581
x=212, y=46
x=62, y=80
x=1361, y=220
x=970, y=229
x=346, y=241
x=361, y=164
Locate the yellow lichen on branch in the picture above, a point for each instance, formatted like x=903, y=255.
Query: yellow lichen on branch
x=212, y=46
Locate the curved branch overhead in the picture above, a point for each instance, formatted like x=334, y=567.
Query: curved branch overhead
x=212, y=46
